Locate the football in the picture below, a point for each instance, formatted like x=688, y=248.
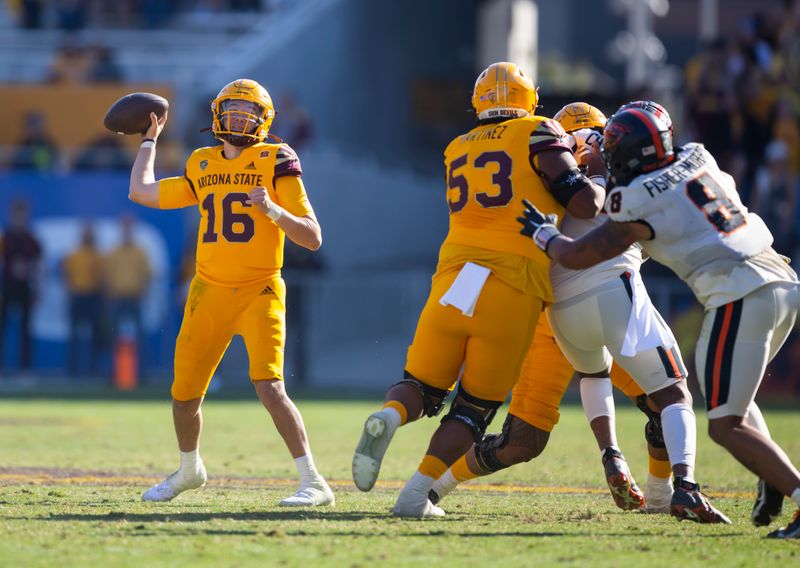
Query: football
x=131, y=113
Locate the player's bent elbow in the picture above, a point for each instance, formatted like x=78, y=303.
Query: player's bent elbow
x=315, y=243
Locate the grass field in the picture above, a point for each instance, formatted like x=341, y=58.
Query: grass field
x=72, y=473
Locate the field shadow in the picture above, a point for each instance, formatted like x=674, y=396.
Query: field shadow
x=204, y=517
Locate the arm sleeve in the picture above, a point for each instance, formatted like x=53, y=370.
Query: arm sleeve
x=176, y=192
x=292, y=196
x=548, y=135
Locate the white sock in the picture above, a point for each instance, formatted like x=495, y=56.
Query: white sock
x=755, y=419
x=795, y=496
x=654, y=482
x=680, y=436
x=419, y=483
x=190, y=461
x=393, y=418
x=445, y=484
x=306, y=468
x=597, y=397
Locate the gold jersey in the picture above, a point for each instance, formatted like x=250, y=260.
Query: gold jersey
x=237, y=244
x=490, y=170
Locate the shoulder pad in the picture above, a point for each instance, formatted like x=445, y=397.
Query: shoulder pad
x=548, y=134
x=628, y=203
x=286, y=162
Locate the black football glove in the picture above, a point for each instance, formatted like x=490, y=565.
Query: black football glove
x=542, y=228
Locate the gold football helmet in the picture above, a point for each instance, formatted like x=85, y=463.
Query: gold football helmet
x=503, y=90
x=242, y=124
x=576, y=116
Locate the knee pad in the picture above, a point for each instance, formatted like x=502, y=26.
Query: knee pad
x=486, y=449
x=432, y=398
x=652, y=430
x=477, y=414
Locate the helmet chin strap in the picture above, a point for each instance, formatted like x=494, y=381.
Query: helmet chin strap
x=240, y=141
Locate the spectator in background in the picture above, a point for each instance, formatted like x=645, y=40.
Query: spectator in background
x=709, y=94
x=20, y=259
x=36, y=150
x=72, y=62
x=127, y=276
x=775, y=196
x=104, y=67
x=105, y=153
x=293, y=123
x=83, y=273
x=787, y=130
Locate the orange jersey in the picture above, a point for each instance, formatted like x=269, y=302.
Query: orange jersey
x=237, y=244
x=490, y=170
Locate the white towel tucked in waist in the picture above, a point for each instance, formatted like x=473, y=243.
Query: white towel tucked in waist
x=646, y=330
x=466, y=288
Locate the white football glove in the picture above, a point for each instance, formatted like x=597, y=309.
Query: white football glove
x=586, y=137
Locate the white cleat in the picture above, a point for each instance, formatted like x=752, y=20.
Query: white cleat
x=425, y=510
x=317, y=494
x=176, y=484
x=657, y=496
x=413, y=500
x=371, y=448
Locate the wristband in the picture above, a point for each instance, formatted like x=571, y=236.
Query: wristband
x=148, y=143
x=598, y=180
x=544, y=234
x=275, y=212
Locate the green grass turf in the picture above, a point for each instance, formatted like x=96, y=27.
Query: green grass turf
x=72, y=473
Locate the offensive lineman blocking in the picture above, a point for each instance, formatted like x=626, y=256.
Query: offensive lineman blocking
x=487, y=293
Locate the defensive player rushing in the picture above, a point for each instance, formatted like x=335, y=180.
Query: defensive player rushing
x=686, y=214
x=250, y=195
x=599, y=312
x=488, y=289
x=769, y=500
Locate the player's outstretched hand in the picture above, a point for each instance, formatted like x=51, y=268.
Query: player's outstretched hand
x=542, y=228
x=156, y=126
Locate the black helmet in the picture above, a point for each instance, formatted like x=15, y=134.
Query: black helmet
x=653, y=107
x=635, y=141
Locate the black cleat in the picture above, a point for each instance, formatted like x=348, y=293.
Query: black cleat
x=768, y=505
x=433, y=497
x=688, y=503
x=792, y=530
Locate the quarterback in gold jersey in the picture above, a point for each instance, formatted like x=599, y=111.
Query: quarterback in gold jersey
x=250, y=195
x=489, y=289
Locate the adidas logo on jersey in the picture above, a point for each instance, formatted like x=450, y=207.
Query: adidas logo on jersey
x=250, y=166
x=266, y=290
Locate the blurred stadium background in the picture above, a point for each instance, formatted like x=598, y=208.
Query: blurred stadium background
x=368, y=92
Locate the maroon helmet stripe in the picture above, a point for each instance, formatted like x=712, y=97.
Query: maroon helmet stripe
x=653, y=132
